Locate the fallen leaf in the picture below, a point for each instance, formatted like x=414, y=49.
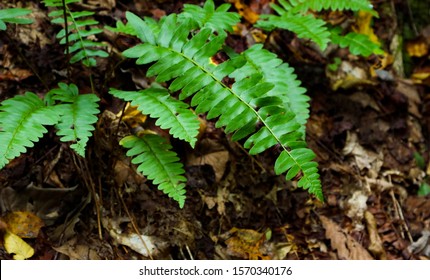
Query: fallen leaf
x=376, y=246
x=346, y=246
x=417, y=47
x=218, y=161
x=24, y=224
x=16, y=246
x=245, y=11
x=363, y=25
x=246, y=244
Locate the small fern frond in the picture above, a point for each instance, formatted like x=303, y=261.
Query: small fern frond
x=170, y=113
x=80, y=29
x=159, y=163
x=78, y=115
x=319, y=5
x=22, y=121
x=358, y=44
x=305, y=26
x=183, y=57
x=219, y=19
x=13, y=15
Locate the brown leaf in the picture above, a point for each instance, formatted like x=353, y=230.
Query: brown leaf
x=246, y=243
x=347, y=247
x=376, y=246
x=218, y=161
x=24, y=224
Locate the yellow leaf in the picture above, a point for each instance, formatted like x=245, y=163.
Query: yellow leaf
x=245, y=11
x=15, y=245
x=363, y=25
x=24, y=224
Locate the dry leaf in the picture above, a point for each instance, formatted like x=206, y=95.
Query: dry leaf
x=16, y=246
x=376, y=246
x=245, y=11
x=346, y=246
x=418, y=47
x=246, y=244
x=363, y=26
x=218, y=161
x=24, y=224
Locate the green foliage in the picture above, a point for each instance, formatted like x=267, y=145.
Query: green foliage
x=358, y=44
x=170, y=113
x=80, y=26
x=319, y=5
x=77, y=115
x=13, y=15
x=292, y=16
x=255, y=106
x=219, y=19
x=22, y=122
x=156, y=161
x=23, y=119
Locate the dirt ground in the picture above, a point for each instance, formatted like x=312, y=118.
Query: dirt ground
x=369, y=127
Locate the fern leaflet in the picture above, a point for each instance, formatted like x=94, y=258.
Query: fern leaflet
x=156, y=161
x=305, y=26
x=286, y=85
x=358, y=44
x=22, y=121
x=13, y=15
x=170, y=113
x=77, y=115
x=80, y=28
x=184, y=58
x=219, y=19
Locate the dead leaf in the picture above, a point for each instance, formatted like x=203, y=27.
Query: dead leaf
x=417, y=47
x=16, y=246
x=376, y=246
x=76, y=251
x=422, y=245
x=245, y=11
x=346, y=246
x=218, y=161
x=363, y=25
x=246, y=244
x=24, y=224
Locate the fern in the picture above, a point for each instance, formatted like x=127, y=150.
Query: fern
x=79, y=29
x=285, y=82
x=171, y=113
x=22, y=121
x=183, y=57
x=319, y=5
x=13, y=15
x=77, y=115
x=291, y=16
x=156, y=161
x=358, y=44
x=219, y=19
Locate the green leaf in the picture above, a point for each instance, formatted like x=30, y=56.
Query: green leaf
x=22, y=121
x=358, y=44
x=159, y=163
x=78, y=115
x=170, y=113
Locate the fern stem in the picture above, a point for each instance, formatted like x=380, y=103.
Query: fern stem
x=66, y=28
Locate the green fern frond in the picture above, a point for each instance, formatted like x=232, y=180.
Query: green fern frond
x=80, y=28
x=13, y=15
x=278, y=73
x=219, y=19
x=305, y=26
x=77, y=115
x=358, y=44
x=156, y=161
x=183, y=57
x=22, y=121
x=319, y=5
x=170, y=113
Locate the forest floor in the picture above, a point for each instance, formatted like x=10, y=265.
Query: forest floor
x=369, y=127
